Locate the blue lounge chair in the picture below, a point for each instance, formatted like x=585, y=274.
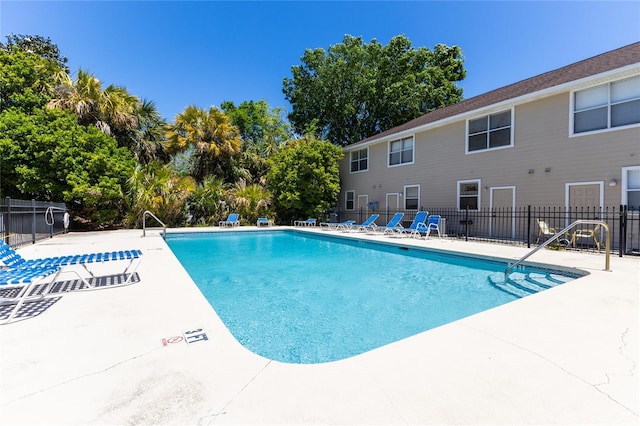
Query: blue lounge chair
x=418, y=222
x=232, y=220
x=433, y=224
x=17, y=284
x=264, y=221
x=362, y=227
x=389, y=227
x=327, y=226
x=12, y=259
x=309, y=222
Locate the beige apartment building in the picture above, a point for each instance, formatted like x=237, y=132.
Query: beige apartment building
x=568, y=138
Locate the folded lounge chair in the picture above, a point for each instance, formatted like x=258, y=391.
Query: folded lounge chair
x=585, y=233
x=418, y=221
x=389, y=227
x=327, y=226
x=545, y=232
x=309, y=222
x=9, y=258
x=232, y=220
x=370, y=222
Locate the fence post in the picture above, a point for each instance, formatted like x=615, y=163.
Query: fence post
x=622, y=231
x=33, y=221
x=529, y=226
x=466, y=223
x=7, y=225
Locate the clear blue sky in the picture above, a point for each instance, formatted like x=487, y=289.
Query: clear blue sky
x=179, y=53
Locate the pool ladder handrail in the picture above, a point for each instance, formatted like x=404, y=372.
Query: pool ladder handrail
x=607, y=260
x=144, y=223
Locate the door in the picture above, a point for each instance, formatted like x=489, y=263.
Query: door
x=584, y=197
x=393, y=201
x=584, y=200
x=502, y=202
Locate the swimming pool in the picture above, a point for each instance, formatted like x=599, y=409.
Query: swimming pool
x=298, y=297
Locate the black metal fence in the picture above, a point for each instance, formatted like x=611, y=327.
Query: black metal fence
x=527, y=225
x=27, y=221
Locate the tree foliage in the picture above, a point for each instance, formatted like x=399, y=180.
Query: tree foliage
x=250, y=201
x=46, y=155
x=212, y=137
x=37, y=45
x=208, y=202
x=157, y=188
x=356, y=90
x=111, y=109
x=262, y=131
x=26, y=80
x=303, y=178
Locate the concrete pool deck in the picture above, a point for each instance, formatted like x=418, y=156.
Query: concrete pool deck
x=568, y=355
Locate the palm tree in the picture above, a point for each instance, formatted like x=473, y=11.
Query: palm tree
x=207, y=203
x=157, y=188
x=109, y=110
x=251, y=201
x=211, y=134
x=146, y=142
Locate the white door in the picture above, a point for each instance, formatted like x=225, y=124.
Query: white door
x=503, y=202
x=393, y=201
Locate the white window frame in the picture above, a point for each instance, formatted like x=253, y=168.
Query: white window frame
x=487, y=115
x=625, y=184
x=353, y=200
x=413, y=149
x=478, y=183
x=360, y=159
x=572, y=110
x=405, y=196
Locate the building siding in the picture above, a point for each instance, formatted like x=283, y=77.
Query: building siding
x=544, y=158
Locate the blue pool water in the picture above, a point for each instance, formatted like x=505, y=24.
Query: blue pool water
x=300, y=298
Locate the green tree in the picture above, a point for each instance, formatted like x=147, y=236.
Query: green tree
x=250, y=201
x=262, y=131
x=147, y=140
x=208, y=201
x=303, y=177
x=356, y=89
x=26, y=79
x=112, y=110
x=37, y=45
x=157, y=188
x=46, y=155
x=212, y=138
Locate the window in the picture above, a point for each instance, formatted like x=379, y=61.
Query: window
x=631, y=187
x=489, y=132
x=359, y=160
x=401, y=151
x=349, y=200
x=607, y=106
x=411, y=197
x=468, y=194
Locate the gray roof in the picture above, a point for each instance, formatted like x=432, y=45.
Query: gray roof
x=608, y=61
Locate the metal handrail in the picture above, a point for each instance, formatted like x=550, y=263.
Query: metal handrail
x=607, y=244
x=144, y=224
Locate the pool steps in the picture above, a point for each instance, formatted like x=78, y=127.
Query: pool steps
x=522, y=284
